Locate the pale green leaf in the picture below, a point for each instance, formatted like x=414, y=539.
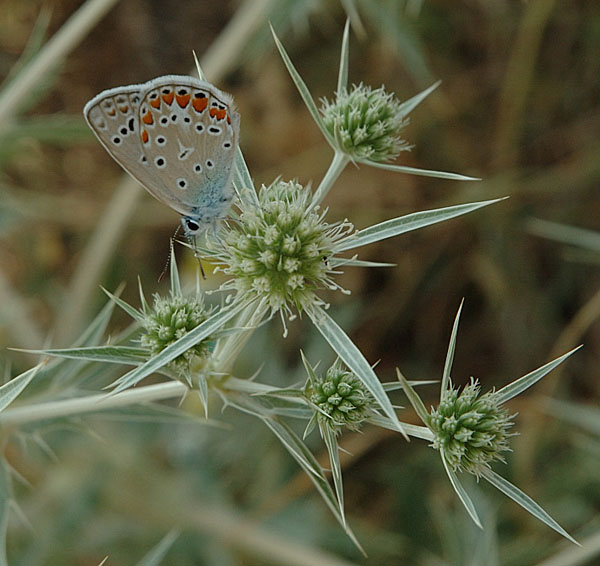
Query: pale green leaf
x=11, y=390
x=572, y=235
x=308, y=367
x=446, y=378
x=144, y=304
x=174, y=272
x=284, y=393
x=96, y=329
x=336, y=262
x=330, y=439
x=157, y=554
x=524, y=501
x=414, y=399
x=302, y=89
x=417, y=431
x=396, y=385
x=110, y=354
x=461, y=492
x=132, y=312
x=516, y=387
x=416, y=171
x=409, y=105
x=414, y=221
x=242, y=180
x=343, y=72
x=203, y=393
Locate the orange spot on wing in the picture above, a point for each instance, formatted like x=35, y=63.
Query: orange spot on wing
x=145, y=136
x=220, y=114
x=155, y=103
x=147, y=118
x=168, y=98
x=124, y=109
x=111, y=112
x=200, y=104
x=183, y=100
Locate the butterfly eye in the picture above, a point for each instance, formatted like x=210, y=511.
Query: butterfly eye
x=190, y=225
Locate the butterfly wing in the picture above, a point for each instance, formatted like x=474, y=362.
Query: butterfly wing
x=177, y=136
x=113, y=117
x=189, y=132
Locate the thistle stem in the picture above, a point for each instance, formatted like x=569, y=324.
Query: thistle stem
x=338, y=163
x=249, y=319
x=90, y=403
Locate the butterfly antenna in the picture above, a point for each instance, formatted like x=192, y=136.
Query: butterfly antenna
x=171, y=251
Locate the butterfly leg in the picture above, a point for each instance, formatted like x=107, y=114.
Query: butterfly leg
x=192, y=239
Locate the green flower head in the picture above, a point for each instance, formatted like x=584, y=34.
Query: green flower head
x=169, y=319
x=278, y=249
x=365, y=123
x=340, y=397
x=470, y=429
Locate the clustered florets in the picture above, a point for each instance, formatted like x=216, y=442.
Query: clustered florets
x=341, y=398
x=472, y=431
x=365, y=123
x=171, y=318
x=278, y=250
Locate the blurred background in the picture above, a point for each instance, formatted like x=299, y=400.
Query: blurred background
x=519, y=106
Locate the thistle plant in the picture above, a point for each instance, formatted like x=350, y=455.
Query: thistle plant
x=279, y=251
x=470, y=431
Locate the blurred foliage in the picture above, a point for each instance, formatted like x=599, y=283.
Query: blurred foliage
x=519, y=106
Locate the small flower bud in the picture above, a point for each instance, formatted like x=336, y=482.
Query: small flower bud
x=365, y=123
x=472, y=430
x=341, y=398
x=171, y=318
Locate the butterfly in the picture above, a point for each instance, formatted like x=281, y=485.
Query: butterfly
x=177, y=136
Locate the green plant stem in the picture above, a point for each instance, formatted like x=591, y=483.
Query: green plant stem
x=249, y=319
x=338, y=163
x=90, y=403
